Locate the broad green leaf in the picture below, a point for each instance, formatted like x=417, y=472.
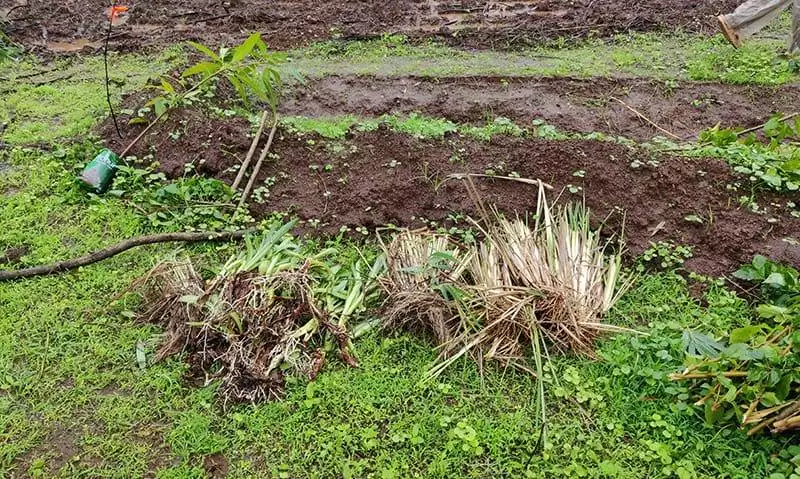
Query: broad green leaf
x=742, y=352
x=782, y=388
x=775, y=279
x=204, y=68
x=237, y=85
x=770, y=311
x=160, y=106
x=747, y=273
x=759, y=262
x=204, y=50
x=243, y=50
x=699, y=344
x=743, y=335
x=167, y=86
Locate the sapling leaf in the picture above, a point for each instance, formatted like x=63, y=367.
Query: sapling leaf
x=204, y=50
x=167, y=86
x=243, y=50
x=204, y=68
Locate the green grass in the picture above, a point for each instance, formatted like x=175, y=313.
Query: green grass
x=65, y=102
x=676, y=56
x=74, y=95
x=117, y=420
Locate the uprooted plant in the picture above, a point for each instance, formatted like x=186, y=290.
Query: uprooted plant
x=524, y=289
x=275, y=308
x=752, y=375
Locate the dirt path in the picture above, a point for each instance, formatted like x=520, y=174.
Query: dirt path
x=383, y=177
x=71, y=25
x=571, y=105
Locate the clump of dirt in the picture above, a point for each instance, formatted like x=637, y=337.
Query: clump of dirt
x=372, y=179
x=13, y=255
x=216, y=465
x=572, y=105
x=73, y=25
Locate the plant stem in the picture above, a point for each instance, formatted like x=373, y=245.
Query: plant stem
x=105, y=63
x=152, y=123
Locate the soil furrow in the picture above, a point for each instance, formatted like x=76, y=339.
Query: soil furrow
x=585, y=106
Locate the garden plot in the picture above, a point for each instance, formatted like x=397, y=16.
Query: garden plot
x=601, y=105
x=387, y=314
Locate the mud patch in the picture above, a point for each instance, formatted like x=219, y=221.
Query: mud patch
x=13, y=255
x=59, y=448
x=572, y=105
x=216, y=465
x=378, y=178
x=288, y=23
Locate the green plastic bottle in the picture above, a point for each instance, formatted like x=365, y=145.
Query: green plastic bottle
x=100, y=171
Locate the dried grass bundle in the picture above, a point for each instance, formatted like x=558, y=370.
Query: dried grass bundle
x=524, y=287
x=416, y=263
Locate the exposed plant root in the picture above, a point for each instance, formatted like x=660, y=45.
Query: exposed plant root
x=259, y=319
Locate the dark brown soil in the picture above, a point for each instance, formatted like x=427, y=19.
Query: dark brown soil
x=72, y=24
x=571, y=105
x=216, y=465
x=13, y=255
x=383, y=177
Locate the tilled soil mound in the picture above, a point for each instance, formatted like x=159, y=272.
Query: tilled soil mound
x=595, y=105
x=73, y=24
x=384, y=177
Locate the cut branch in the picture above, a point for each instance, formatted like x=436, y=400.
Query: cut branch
x=727, y=374
x=118, y=248
x=758, y=127
x=647, y=120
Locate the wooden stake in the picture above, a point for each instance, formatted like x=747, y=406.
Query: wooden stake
x=257, y=168
x=251, y=152
x=641, y=116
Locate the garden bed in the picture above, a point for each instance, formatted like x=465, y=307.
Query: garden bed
x=371, y=179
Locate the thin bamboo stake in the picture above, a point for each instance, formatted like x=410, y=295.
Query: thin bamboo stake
x=257, y=168
x=251, y=152
x=648, y=120
x=758, y=127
